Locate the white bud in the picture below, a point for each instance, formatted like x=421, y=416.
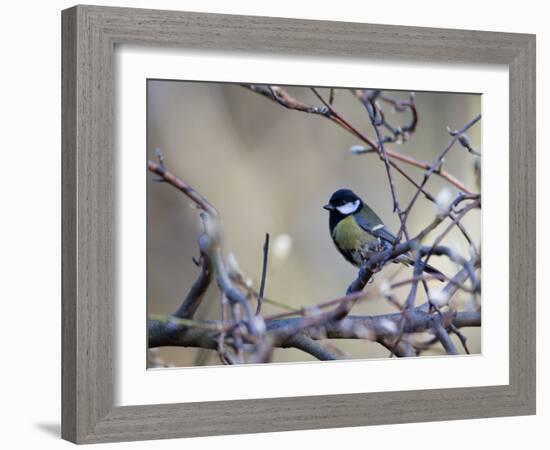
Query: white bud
x=455, y=247
x=388, y=325
x=439, y=297
x=443, y=201
x=357, y=149
x=312, y=311
x=361, y=331
x=385, y=289
x=259, y=324
x=281, y=247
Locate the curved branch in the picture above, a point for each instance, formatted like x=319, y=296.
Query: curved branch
x=192, y=300
x=308, y=345
x=178, y=183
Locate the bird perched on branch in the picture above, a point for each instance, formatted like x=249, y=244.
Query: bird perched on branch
x=359, y=233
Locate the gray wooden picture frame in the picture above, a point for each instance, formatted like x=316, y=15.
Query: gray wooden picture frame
x=90, y=34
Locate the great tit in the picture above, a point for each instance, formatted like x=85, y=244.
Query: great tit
x=358, y=233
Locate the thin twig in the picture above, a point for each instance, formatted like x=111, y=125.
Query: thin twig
x=169, y=177
x=435, y=167
x=264, y=274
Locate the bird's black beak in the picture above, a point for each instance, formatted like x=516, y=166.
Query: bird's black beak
x=328, y=207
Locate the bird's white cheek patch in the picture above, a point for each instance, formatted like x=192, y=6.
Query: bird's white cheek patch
x=349, y=208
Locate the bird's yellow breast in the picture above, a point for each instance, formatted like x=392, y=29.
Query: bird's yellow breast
x=348, y=235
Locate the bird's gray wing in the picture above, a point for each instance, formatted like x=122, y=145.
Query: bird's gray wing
x=378, y=230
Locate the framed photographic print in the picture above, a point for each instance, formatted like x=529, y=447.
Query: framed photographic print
x=265, y=229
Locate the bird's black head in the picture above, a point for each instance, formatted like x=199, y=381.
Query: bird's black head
x=344, y=202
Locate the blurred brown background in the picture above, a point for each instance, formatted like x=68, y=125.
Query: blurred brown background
x=268, y=169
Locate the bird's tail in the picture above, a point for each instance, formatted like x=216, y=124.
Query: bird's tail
x=405, y=259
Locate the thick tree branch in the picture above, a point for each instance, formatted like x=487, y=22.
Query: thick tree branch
x=165, y=331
